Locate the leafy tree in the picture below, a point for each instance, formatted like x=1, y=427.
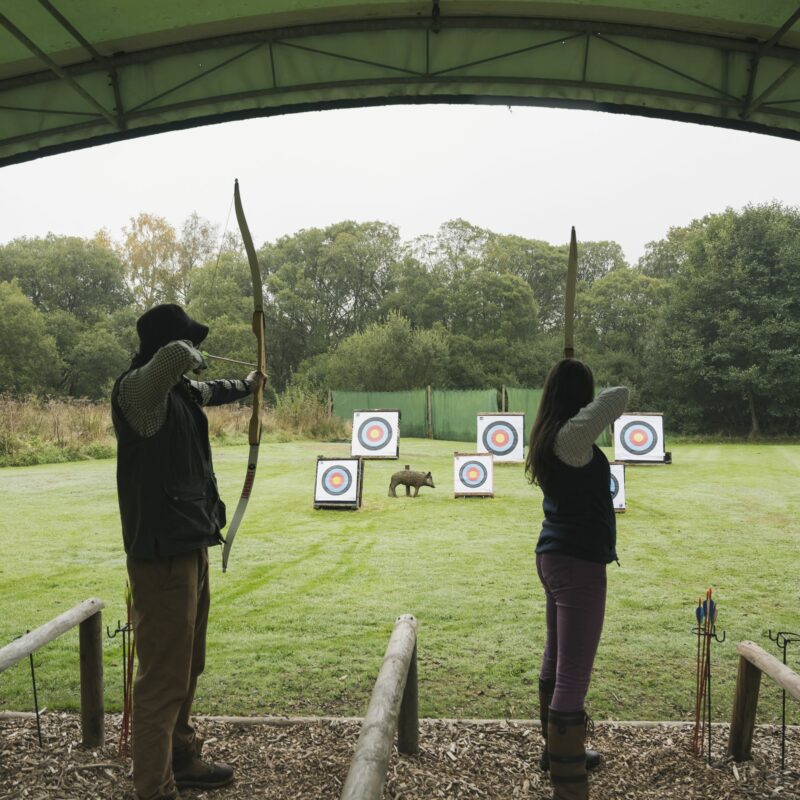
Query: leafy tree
x=597, y=259
x=386, y=356
x=492, y=305
x=666, y=257
x=28, y=358
x=419, y=293
x=95, y=362
x=198, y=245
x=66, y=273
x=150, y=253
x=457, y=245
x=323, y=285
x=729, y=340
x=615, y=323
x=541, y=265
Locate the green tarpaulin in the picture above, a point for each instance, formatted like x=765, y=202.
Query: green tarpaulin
x=412, y=404
x=455, y=413
x=74, y=73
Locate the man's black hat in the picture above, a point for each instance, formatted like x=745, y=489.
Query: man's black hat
x=166, y=323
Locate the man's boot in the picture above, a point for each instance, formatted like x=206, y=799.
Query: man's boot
x=191, y=771
x=566, y=734
x=546, y=689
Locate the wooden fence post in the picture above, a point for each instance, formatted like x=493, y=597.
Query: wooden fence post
x=90, y=636
x=429, y=408
x=408, y=721
x=743, y=720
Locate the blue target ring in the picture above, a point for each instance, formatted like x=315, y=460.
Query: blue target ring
x=473, y=474
x=374, y=433
x=337, y=480
x=639, y=437
x=614, y=486
x=500, y=438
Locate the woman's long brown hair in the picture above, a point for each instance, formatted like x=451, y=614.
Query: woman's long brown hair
x=569, y=387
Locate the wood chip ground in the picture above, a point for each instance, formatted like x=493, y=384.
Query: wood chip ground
x=309, y=761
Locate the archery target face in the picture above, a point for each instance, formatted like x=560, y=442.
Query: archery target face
x=473, y=474
x=337, y=481
x=618, y=486
x=376, y=434
x=639, y=437
x=502, y=435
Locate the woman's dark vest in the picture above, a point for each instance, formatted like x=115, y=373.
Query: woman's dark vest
x=578, y=512
x=168, y=497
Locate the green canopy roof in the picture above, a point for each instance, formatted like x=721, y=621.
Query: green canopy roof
x=79, y=72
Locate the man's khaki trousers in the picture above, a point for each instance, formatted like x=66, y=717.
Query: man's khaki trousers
x=170, y=617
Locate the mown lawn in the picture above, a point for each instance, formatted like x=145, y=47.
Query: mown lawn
x=301, y=620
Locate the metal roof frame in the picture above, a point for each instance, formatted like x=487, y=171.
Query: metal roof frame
x=720, y=80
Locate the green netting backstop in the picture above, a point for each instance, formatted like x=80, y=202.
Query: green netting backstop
x=455, y=412
x=413, y=405
x=525, y=401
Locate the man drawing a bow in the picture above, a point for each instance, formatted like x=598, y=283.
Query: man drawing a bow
x=171, y=513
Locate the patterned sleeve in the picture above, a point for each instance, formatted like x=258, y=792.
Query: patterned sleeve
x=218, y=393
x=143, y=392
x=574, y=441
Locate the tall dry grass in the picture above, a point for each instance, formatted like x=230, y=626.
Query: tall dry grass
x=48, y=430
x=36, y=430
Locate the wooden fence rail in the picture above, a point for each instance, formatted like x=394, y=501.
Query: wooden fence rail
x=87, y=615
x=392, y=707
x=754, y=661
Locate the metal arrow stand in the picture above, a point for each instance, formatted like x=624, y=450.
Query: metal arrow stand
x=783, y=639
x=127, y=665
x=35, y=696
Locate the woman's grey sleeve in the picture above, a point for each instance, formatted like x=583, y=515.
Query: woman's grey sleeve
x=575, y=439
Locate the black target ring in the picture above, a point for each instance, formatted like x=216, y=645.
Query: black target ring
x=473, y=482
x=631, y=430
x=379, y=425
x=502, y=428
x=329, y=477
x=614, y=485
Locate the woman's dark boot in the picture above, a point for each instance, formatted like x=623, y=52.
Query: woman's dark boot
x=546, y=689
x=566, y=734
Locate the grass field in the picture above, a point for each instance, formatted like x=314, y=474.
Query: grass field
x=300, y=622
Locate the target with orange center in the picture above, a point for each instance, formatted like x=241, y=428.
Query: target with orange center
x=376, y=434
x=337, y=480
x=338, y=483
x=473, y=474
x=502, y=436
x=639, y=437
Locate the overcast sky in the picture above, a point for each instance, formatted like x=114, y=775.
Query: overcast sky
x=531, y=172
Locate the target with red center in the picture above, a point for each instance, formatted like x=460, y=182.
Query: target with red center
x=617, y=486
x=639, y=437
x=376, y=434
x=501, y=435
x=338, y=483
x=473, y=474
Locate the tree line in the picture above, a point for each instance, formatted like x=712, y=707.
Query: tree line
x=705, y=326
